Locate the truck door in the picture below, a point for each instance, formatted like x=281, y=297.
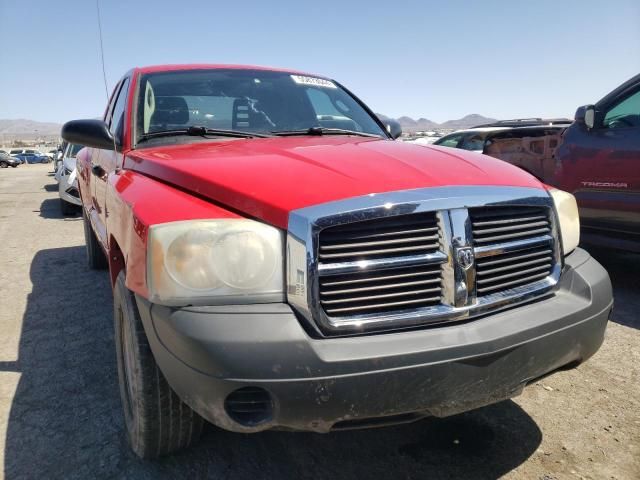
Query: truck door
x=104, y=162
x=601, y=166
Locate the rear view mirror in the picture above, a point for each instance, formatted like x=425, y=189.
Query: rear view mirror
x=90, y=133
x=586, y=115
x=393, y=127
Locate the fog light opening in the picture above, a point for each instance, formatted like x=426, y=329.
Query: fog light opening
x=249, y=406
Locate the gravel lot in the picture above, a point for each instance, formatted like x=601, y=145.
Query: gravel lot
x=60, y=411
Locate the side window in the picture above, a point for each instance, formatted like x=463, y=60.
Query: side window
x=450, y=141
x=625, y=114
x=116, y=123
x=112, y=100
x=473, y=141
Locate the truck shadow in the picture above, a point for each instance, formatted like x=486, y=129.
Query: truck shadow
x=624, y=270
x=65, y=419
x=50, y=208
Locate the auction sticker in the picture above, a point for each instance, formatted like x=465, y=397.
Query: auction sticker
x=313, y=81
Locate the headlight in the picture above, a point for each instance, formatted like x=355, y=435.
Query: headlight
x=567, y=210
x=213, y=262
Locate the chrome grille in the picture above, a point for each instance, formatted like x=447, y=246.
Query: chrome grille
x=504, y=224
x=382, y=290
x=382, y=237
x=416, y=257
x=384, y=243
x=531, y=256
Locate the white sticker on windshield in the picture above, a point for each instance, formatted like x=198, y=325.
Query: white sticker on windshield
x=313, y=81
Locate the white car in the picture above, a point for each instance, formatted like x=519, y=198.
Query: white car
x=66, y=175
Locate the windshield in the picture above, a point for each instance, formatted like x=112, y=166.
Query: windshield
x=72, y=150
x=256, y=101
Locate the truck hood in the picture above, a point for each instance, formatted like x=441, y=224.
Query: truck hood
x=268, y=178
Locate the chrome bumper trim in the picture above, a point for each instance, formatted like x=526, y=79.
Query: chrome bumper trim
x=381, y=263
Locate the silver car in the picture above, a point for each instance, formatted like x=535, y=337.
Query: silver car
x=66, y=175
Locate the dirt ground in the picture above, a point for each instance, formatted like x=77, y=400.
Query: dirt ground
x=60, y=411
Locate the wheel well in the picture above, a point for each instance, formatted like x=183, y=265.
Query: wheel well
x=116, y=260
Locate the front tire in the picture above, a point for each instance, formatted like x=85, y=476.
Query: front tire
x=158, y=422
x=4, y=164
x=96, y=258
x=67, y=208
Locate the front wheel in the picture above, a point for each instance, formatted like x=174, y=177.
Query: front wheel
x=96, y=258
x=4, y=164
x=158, y=422
x=67, y=208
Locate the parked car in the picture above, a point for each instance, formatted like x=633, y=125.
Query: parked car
x=278, y=261
x=68, y=181
x=59, y=156
x=528, y=143
x=20, y=151
x=32, y=158
x=7, y=160
x=599, y=162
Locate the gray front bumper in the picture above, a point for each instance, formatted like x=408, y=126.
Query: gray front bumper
x=208, y=352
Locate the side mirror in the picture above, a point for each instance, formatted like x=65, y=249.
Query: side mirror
x=393, y=127
x=586, y=115
x=90, y=133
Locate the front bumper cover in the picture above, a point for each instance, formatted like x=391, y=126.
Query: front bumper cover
x=320, y=384
x=68, y=188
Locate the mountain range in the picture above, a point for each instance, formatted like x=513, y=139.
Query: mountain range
x=23, y=128
x=410, y=125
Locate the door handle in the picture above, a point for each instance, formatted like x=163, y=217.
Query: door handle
x=98, y=171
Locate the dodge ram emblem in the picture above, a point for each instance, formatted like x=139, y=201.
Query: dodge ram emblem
x=465, y=258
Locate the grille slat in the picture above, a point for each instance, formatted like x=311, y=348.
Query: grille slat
x=544, y=260
x=513, y=258
x=511, y=228
x=383, y=286
x=327, y=293
x=390, y=252
x=381, y=296
x=374, y=279
x=513, y=274
x=531, y=262
x=381, y=234
x=496, y=238
x=508, y=220
x=383, y=306
x=341, y=246
x=513, y=283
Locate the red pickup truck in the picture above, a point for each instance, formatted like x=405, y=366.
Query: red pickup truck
x=279, y=261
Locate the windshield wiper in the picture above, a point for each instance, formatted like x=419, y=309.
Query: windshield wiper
x=323, y=131
x=198, y=131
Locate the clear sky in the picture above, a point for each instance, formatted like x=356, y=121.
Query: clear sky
x=440, y=60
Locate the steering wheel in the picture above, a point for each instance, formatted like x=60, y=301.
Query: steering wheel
x=620, y=122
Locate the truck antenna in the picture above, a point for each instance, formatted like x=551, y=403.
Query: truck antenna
x=104, y=73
